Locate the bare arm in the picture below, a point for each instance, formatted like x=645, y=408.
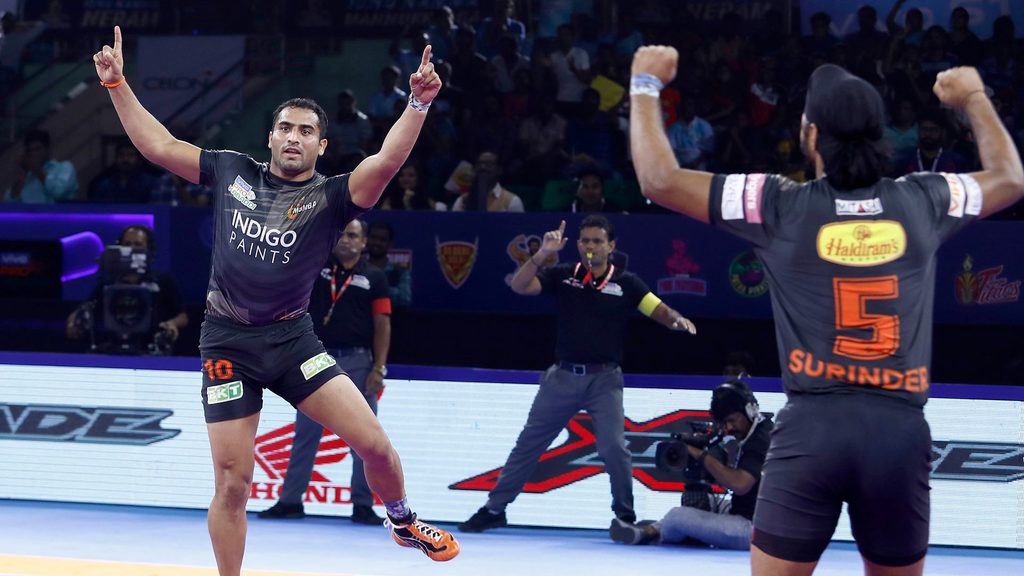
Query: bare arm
x=381, y=345
x=739, y=481
x=373, y=174
x=671, y=319
x=525, y=281
x=1001, y=178
x=149, y=136
x=661, y=178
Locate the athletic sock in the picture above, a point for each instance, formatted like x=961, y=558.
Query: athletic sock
x=398, y=511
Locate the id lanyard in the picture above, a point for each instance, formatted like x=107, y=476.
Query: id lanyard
x=335, y=292
x=588, y=278
x=935, y=162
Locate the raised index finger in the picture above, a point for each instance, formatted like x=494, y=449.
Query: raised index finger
x=117, y=39
x=426, y=56
x=561, y=228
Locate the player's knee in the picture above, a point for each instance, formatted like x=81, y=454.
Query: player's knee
x=233, y=483
x=377, y=453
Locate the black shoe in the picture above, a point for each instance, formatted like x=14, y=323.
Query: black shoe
x=282, y=510
x=624, y=532
x=366, y=515
x=484, y=520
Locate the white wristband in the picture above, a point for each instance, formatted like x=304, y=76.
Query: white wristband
x=416, y=105
x=645, y=85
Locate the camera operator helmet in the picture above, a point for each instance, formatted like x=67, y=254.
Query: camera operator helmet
x=734, y=396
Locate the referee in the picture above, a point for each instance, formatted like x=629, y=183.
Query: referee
x=595, y=300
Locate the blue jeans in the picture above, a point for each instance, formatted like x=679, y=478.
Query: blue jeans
x=727, y=531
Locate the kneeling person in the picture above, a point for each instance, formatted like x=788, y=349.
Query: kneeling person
x=727, y=524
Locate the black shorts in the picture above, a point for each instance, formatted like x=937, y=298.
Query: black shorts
x=870, y=451
x=240, y=361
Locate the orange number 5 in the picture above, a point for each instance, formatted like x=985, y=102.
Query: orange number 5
x=852, y=296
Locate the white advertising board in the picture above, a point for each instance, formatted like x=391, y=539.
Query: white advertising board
x=136, y=436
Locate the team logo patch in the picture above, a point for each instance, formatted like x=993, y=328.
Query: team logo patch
x=298, y=208
x=317, y=364
x=456, y=259
x=224, y=392
x=612, y=289
x=869, y=207
x=856, y=243
x=987, y=286
x=746, y=275
x=242, y=191
x=360, y=281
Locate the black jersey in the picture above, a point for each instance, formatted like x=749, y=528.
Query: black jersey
x=271, y=237
x=592, y=315
x=852, y=274
x=344, y=302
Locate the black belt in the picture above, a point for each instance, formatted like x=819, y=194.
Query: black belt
x=584, y=369
x=352, y=350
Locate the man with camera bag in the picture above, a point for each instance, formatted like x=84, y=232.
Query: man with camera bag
x=727, y=524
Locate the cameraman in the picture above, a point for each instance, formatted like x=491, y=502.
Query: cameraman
x=728, y=524
x=87, y=319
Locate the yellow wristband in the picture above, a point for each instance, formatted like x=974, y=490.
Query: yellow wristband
x=648, y=304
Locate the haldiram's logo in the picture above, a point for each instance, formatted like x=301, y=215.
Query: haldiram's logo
x=317, y=364
x=224, y=392
x=242, y=191
x=296, y=209
x=860, y=243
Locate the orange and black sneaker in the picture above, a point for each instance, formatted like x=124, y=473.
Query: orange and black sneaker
x=436, y=543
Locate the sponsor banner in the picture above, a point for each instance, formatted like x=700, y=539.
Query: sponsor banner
x=688, y=264
x=187, y=79
x=137, y=437
x=935, y=12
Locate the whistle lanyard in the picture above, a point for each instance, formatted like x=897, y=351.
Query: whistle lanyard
x=589, y=279
x=336, y=292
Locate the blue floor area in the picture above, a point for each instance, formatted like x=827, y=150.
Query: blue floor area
x=336, y=546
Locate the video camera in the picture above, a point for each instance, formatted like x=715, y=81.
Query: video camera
x=128, y=319
x=671, y=455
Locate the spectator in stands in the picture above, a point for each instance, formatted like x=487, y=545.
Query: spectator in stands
x=501, y=24
x=912, y=31
x=175, y=190
x=542, y=138
x=350, y=135
x=490, y=129
x=486, y=192
x=41, y=179
x=571, y=67
x=932, y=153
x=407, y=59
x=405, y=192
x=442, y=33
x=821, y=41
x=14, y=37
x=902, y=131
x=127, y=181
x=590, y=192
x=964, y=44
x=507, y=63
x=382, y=105
x=867, y=45
x=691, y=137
x=469, y=67
x=380, y=236
x=592, y=133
